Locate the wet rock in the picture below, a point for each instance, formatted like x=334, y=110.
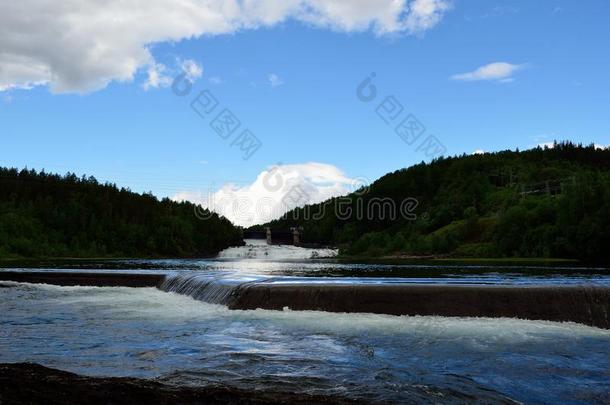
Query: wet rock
x=26, y=383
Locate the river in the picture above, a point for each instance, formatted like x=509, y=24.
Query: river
x=174, y=338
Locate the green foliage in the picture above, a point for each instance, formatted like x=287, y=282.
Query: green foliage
x=551, y=202
x=44, y=215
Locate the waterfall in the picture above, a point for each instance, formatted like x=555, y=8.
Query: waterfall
x=258, y=249
x=213, y=289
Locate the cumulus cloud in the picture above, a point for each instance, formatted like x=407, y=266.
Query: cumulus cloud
x=82, y=45
x=499, y=71
x=274, y=80
x=275, y=191
x=425, y=14
x=160, y=75
x=157, y=77
x=192, y=69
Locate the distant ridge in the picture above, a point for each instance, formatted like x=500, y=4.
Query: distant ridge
x=551, y=202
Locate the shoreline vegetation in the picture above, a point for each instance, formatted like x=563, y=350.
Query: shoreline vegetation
x=548, y=203
x=47, y=215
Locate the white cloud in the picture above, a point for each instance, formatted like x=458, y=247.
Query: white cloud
x=274, y=80
x=500, y=71
x=192, y=69
x=478, y=152
x=160, y=76
x=82, y=45
x=157, y=77
x=425, y=14
x=274, y=192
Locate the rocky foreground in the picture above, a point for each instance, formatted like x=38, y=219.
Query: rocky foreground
x=26, y=383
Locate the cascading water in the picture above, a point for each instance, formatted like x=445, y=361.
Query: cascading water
x=259, y=249
x=213, y=289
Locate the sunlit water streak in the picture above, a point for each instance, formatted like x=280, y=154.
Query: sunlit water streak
x=152, y=334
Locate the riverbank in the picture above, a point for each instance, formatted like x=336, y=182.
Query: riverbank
x=23, y=259
x=26, y=383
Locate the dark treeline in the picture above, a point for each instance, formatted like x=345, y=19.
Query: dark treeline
x=543, y=203
x=47, y=215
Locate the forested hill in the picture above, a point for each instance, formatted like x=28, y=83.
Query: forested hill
x=552, y=202
x=45, y=215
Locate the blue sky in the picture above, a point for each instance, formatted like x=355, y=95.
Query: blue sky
x=150, y=139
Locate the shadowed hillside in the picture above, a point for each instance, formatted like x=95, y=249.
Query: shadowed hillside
x=46, y=215
x=542, y=203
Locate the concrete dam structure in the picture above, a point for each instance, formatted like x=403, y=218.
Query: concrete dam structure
x=277, y=237
x=581, y=304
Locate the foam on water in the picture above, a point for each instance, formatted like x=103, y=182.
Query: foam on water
x=258, y=249
x=153, y=304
